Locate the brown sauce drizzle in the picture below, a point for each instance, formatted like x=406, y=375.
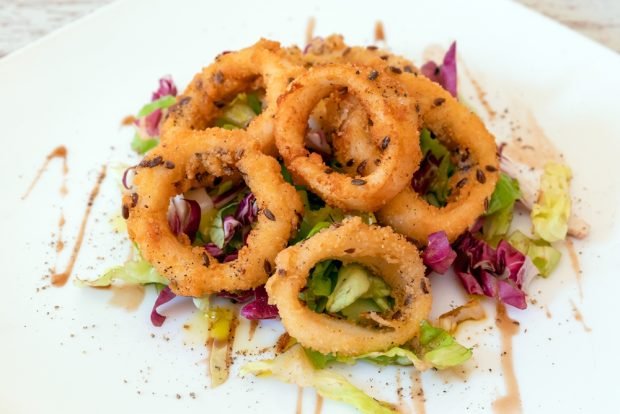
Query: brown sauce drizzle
x=574, y=261
x=579, y=317
x=128, y=297
x=379, y=32
x=300, y=400
x=59, y=279
x=310, y=29
x=511, y=402
x=252, y=331
x=480, y=93
x=128, y=120
x=58, y=152
x=318, y=405
x=60, y=244
x=548, y=312
x=282, y=343
x=417, y=392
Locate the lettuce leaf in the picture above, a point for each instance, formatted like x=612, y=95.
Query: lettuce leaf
x=294, y=367
x=505, y=194
x=551, y=212
x=439, y=348
x=544, y=256
x=138, y=272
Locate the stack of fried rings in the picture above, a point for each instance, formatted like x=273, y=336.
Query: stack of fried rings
x=384, y=108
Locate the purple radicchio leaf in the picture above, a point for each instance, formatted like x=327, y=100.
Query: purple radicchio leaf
x=128, y=175
x=315, y=140
x=426, y=174
x=166, y=88
x=247, y=210
x=152, y=122
x=230, y=226
x=493, y=272
x=446, y=74
x=259, y=308
x=165, y=296
x=184, y=216
x=438, y=254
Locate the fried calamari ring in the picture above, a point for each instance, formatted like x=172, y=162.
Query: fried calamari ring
x=170, y=169
x=384, y=252
x=262, y=66
x=390, y=131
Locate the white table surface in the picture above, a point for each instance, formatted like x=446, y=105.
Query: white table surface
x=23, y=21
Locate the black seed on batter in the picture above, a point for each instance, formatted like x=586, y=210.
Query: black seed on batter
x=373, y=75
x=169, y=165
x=125, y=212
x=351, y=250
x=480, y=176
x=438, y=101
x=134, y=199
x=490, y=168
x=385, y=143
x=269, y=214
x=358, y=181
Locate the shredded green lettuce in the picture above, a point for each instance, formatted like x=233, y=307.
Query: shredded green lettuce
x=161, y=103
x=544, y=256
x=439, y=348
x=136, y=272
x=505, y=194
x=498, y=216
x=439, y=190
x=550, y=214
x=141, y=145
x=240, y=112
x=353, y=281
x=294, y=367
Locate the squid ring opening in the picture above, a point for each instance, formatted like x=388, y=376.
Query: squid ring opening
x=390, y=131
x=262, y=66
x=472, y=183
x=381, y=250
x=171, y=169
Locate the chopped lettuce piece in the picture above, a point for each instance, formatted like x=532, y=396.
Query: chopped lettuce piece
x=396, y=356
x=240, y=112
x=142, y=145
x=319, y=360
x=551, y=212
x=505, y=194
x=137, y=272
x=294, y=367
x=354, y=311
x=161, y=103
x=439, y=348
x=432, y=178
x=353, y=282
x=320, y=285
x=544, y=256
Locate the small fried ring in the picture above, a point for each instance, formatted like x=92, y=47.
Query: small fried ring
x=169, y=170
x=381, y=250
x=390, y=131
x=263, y=65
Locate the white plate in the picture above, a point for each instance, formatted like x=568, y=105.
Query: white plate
x=68, y=350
